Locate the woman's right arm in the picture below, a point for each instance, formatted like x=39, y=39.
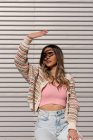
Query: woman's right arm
x=21, y=59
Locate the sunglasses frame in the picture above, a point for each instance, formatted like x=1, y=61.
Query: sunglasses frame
x=49, y=54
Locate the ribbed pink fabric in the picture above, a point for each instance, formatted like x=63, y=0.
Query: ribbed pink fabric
x=51, y=94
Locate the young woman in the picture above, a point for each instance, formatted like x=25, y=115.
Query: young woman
x=51, y=91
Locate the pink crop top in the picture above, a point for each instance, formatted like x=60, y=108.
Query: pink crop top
x=53, y=95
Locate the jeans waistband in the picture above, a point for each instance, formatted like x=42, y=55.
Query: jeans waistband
x=56, y=112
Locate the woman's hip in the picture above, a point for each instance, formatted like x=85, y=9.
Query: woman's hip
x=51, y=119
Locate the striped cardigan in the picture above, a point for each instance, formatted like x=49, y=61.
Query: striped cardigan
x=34, y=76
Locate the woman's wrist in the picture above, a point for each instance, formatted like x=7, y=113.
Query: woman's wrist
x=27, y=40
x=30, y=37
x=72, y=129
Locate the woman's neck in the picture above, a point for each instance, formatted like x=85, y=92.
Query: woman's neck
x=53, y=71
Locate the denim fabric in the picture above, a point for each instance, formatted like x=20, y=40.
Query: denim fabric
x=51, y=125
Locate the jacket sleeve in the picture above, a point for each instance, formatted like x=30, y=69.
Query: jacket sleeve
x=73, y=105
x=21, y=59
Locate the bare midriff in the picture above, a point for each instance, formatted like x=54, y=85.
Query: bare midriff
x=51, y=107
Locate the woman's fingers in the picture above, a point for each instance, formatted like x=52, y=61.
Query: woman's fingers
x=45, y=31
x=41, y=33
x=73, y=134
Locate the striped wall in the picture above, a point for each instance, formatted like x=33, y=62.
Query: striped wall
x=70, y=26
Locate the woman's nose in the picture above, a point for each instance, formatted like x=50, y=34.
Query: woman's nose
x=47, y=57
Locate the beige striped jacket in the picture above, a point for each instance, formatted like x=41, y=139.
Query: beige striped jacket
x=35, y=78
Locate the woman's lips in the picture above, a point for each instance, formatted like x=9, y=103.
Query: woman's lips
x=48, y=61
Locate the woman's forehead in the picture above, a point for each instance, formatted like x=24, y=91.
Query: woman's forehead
x=48, y=49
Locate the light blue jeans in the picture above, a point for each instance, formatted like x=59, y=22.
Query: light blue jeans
x=51, y=125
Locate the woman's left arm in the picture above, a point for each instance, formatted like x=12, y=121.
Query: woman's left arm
x=73, y=105
x=73, y=108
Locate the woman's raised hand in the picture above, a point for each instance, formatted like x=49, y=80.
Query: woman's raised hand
x=37, y=34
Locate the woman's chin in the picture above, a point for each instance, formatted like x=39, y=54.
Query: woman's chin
x=50, y=66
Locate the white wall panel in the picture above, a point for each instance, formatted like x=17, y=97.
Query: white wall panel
x=70, y=25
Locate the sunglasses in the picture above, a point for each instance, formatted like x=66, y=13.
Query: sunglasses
x=49, y=54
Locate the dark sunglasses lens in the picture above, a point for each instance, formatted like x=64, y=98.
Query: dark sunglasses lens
x=51, y=53
x=48, y=54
